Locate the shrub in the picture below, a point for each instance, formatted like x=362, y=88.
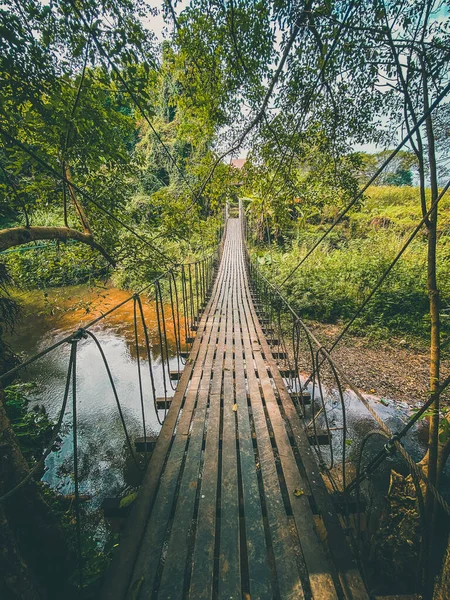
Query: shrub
x=334, y=282
x=51, y=265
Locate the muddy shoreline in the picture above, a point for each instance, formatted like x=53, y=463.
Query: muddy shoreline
x=395, y=370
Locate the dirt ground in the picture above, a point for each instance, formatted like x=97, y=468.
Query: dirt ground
x=393, y=369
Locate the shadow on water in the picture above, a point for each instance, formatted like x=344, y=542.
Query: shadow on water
x=395, y=414
x=106, y=468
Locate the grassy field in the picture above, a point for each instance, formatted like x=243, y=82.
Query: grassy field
x=339, y=275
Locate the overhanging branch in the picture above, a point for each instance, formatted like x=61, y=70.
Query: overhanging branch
x=16, y=236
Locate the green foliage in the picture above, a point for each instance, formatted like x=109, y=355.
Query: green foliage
x=8, y=308
x=396, y=208
x=55, y=265
x=127, y=500
x=284, y=194
x=341, y=273
x=33, y=428
x=229, y=48
x=84, y=122
x=337, y=280
x=398, y=173
x=200, y=239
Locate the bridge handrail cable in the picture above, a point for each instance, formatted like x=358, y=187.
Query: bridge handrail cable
x=394, y=438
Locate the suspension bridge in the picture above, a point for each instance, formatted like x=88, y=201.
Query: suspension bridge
x=248, y=490
x=226, y=506
x=241, y=493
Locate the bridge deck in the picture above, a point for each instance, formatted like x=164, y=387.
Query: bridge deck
x=225, y=508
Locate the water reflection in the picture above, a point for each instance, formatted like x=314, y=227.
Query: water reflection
x=106, y=467
x=359, y=423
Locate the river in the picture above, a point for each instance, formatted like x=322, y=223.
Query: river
x=106, y=467
x=105, y=462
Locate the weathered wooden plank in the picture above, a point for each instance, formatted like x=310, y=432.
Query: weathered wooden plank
x=147, y=444
x=321, y=581
x=163, y=403
x=229, y=557
x=287, y=574
x=201, y=583
x=175, y=567
x=349, y=576
x=303, y=397
x=150, y=552
x=173, y=575
x=259, y=574
x=121, y=568
x=175, y=375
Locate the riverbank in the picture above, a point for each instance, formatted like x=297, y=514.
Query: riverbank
x=397, y=369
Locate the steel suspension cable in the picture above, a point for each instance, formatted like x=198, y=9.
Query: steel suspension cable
x=164, y=332
x=191, y=297
x=149, y=357
x=387, y=271
x=391, y=266
x=175, y=320
x=116, y=396
x=185, y=302
x=138, y=362
x=160, y=336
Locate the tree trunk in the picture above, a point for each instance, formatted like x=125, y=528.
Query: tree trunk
x=433, y=293
x=78, y=206
x=35, y=561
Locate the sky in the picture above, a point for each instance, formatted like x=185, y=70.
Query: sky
x=156, y=23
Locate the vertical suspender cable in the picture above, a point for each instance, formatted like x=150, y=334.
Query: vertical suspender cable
x=138, y=362
x=74, y=344
x=160, y=336
x=149, y=356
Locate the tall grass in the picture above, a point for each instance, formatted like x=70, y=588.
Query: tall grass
x=332, y=284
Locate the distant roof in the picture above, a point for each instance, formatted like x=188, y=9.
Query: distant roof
x=238, y=163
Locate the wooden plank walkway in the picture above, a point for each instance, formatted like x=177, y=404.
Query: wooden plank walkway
x=224, y=511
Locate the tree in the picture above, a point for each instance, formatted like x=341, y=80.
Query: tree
x=57, y=101
x=411, y=58
x=399, y=172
